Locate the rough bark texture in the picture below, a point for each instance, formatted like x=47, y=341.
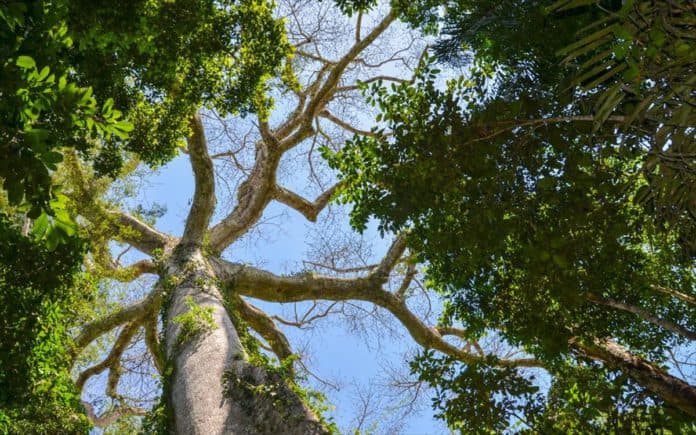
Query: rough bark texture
x=656, y=380
x=202, y=401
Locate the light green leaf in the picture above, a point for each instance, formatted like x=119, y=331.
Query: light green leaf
x=44, y=73
x=53, y=238
x=124, y=126
x=40, y=226
x=26, y=62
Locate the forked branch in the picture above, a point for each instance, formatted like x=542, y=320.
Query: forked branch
x=391, y=258
x=309, y=210
x=137, y=312
x=258, y=189
x=113, y=358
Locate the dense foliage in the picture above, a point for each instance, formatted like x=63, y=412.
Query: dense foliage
x=540, y=194
x=42, y=296
x=106, y=80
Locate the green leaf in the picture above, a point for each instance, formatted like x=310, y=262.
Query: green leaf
x=68, y=227
x=108, y=105
x=36, y=137
x=53, y=238
x=15, y=191
x=124, y=126
x=34, y=212
x=560, y=261
x=546, y=183
x=52, y=157
x=40, y=226
x=26, y=62
x=43, y=74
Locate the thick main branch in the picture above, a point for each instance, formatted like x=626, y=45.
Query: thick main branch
x=655, y=379
x=203, y=203
x=257, y=283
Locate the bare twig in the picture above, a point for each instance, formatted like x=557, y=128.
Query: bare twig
x=111, y=416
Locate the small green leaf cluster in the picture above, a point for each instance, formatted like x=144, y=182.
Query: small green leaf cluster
x=350, y=7
x=479, y=395
x=44, y=114
x=57, y=228
x=194, y=322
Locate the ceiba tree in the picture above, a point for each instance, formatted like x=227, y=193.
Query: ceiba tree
x=196, y=320
x=88, y=78
x=214, y=381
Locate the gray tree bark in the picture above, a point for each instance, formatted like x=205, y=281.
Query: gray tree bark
x=212, y=388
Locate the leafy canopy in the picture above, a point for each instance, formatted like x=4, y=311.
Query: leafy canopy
x=104, y=80
x=537, y=188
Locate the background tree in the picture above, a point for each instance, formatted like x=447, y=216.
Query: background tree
x=525, y=196
x=150, y=64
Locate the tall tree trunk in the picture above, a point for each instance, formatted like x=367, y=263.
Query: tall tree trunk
x=214, y=388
